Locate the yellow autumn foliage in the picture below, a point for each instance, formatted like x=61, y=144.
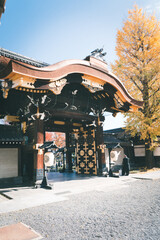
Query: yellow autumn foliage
x=138, y=67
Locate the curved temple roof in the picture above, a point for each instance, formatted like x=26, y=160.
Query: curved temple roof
x=94, y=73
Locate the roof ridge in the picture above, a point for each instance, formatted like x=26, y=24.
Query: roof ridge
x=21, y=58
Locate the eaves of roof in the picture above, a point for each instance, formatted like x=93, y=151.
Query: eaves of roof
x=10, y=134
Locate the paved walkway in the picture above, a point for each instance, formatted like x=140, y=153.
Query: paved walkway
x=18, y=198
x=148, y=175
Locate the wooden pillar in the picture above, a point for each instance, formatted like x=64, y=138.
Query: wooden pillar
x=38, y=153
x=100, y=145
x=68, y=154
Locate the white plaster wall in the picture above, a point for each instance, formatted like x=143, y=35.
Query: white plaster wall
x=156, y=152
x=8, y=162
x=139, y=151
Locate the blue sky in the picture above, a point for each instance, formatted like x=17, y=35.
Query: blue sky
x=55, y=30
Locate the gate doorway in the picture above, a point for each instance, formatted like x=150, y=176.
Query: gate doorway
x=75, y=152
x=59, y=142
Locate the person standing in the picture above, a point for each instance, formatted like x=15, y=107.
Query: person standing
x=125, y=166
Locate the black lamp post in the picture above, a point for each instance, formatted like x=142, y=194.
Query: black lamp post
x=46, y=146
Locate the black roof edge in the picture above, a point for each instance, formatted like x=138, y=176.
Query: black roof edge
x=115, y=130
x=21, y=58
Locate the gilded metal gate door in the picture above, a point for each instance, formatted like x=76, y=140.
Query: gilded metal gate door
x=86, y=152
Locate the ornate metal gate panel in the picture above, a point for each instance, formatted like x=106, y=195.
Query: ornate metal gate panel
x=86, y=152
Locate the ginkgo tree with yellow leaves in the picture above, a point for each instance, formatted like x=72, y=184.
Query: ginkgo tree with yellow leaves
x=138, y=67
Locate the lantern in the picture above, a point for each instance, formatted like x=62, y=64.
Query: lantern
x=48, y=159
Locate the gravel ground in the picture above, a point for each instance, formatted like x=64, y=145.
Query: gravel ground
x=131, y=213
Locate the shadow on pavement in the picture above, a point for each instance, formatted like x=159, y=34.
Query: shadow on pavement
x=62, y=177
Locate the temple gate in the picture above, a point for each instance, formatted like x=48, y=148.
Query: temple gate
x=70, y=97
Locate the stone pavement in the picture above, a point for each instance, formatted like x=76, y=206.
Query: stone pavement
x=18, y=198
x=148, y=175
